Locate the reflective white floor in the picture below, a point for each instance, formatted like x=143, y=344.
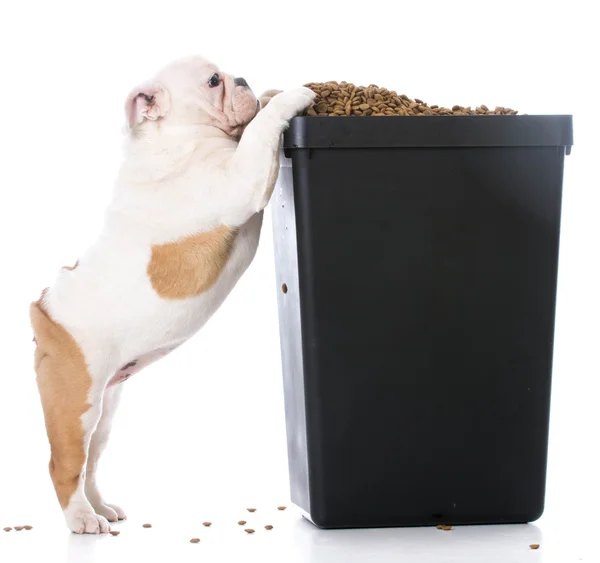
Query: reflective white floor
x=293, y=539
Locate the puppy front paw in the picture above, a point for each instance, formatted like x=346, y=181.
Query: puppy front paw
x=293, y=102
x=267, y=96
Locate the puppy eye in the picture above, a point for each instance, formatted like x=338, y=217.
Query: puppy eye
x=214, y=81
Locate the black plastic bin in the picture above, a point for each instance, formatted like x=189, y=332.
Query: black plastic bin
x=417, y=266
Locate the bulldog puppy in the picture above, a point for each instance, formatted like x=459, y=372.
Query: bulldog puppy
x=182, y=227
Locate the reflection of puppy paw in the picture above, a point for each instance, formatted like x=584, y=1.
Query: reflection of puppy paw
x=293, y=102
x=267, y=96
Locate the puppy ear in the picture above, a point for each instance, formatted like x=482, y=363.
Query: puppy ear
x=148, y=101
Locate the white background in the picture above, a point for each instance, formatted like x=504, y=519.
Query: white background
x=201, y=435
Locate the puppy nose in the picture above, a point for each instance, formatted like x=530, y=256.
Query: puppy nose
x=240, y=82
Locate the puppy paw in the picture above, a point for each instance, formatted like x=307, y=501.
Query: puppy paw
x=83, y=520
x=267, y=96
x=293, y=102
x=111, y=512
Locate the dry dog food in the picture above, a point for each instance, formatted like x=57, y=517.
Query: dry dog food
x=268, y=527
x=195, y=540
x=251, y=509
x=114, y=532
x=344, y=99
x=281, y=507
x=19, y=528
x=7, y=529
x=28, y=527
x=443, y=527
x=146, y=525
x=249, y=530
x=207, y=524
x=535, y=546
x=241, y=522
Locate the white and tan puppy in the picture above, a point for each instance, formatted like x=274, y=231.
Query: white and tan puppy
x=183, y=226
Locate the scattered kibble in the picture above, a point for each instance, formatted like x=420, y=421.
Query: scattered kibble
x=207, y=524
x=249, y=530
x=251, y=509
x=195, y=540
x=114, y=532
x=7, y=529
x=146, y=525
x=535, y=546
x=269, y=527
x=19, y=528
x=241, y=522
x=281, y=507
x=28, y=527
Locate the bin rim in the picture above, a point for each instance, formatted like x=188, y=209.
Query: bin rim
x=434, y=131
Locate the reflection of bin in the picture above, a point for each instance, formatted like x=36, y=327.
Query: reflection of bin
x=416, y=266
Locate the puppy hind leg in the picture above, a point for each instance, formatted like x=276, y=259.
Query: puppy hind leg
x=71, y=413
x=110, y=401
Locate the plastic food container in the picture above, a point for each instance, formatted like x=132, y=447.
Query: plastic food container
x=416, y=269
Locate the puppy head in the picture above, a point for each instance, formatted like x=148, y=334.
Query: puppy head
x=193, y=91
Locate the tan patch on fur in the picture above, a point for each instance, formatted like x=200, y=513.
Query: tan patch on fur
x=64, y=382
x=190, y=266
x=71, y=267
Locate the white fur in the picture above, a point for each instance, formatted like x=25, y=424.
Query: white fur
x=179, y=177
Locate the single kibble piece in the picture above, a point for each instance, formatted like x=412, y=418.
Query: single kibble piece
x=7, y=529
x=535, y=546
x=447, y=528
x=241, y=522
x=207, y=524
x=440, y=526
x=281, y=507
x=146, y=525
x=195, y=540
x=28, y=527
x=18, y=528
x=114, y=532
x=269, y=527
x=249, y=530
x=251, y=509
